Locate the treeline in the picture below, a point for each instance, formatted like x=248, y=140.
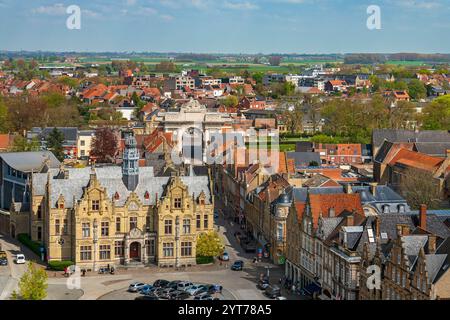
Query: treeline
x=371, y=58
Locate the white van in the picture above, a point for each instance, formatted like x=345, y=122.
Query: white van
x=20, y=259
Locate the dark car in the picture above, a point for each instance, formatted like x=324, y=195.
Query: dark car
x=204, y=296
x=179, y=295
x=207, y=288
x=173, y=284
x=238, y=265
x=3, y=262
x=263, y=284
x=161, y=283
x=165, y=293
x=149, y=297
x=273, y=291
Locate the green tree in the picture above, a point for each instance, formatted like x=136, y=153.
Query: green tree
x=32, y=285
x=55, y=142
x=21, y=144
x=436, y=115
x=209, y=245
x=3, y=117
x=417, y=89
x=230, y=101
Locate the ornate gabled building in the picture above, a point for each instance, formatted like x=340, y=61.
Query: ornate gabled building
x=117, y=216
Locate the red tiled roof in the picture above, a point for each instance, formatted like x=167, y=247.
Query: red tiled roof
x=416, y=160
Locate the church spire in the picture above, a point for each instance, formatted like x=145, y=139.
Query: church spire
x=130, y=165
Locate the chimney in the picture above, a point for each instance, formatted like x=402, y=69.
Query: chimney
x=350, y=220
x=423, y=217
x=332, y=212
x=431, y=244
x=377, y=227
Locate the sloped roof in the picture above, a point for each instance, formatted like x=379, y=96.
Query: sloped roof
x=30, y=161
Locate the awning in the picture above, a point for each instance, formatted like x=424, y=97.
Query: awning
x=312, y=288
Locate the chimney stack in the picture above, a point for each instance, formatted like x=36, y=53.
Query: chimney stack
x=350, y=220
x=373, y=189
x=332, y=212
x=423, y=217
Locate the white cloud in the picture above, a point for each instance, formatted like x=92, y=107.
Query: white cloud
x=240, y=5
x=57, y=9
x=417, y=4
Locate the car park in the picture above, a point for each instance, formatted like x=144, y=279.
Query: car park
x=136, y=286
x=161, y=283
x=237, y=265
x=173, y=284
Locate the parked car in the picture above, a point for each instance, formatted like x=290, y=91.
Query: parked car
x=3, y=262
x=136, y=286
x=204, y=296
x=225, y=257
x=184, y=285
x=147, y=298
x=262, y=284
x=173, y=284
x=196, y=289
x=273, y=291
x=147, y=289
x=209, y=288
x=179, y=295
x=161, y=283
x=20, y=259
x=237, y=265
x=165, y=293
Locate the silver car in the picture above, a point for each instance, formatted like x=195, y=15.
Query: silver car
x=136, y=286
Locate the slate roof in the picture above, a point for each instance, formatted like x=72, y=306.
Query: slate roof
x=29, y=161
x=435, y=149
x=111, y=179
x=392, y=135
x=303, y=159
x=382, y=194
x=412, y=245
x=434, y=264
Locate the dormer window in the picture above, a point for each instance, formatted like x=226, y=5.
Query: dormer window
x=116, y=196
x=61, y=205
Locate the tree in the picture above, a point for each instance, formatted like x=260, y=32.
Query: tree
x=55, y=142
x=3, y=117
x=209, y=245
x=419, y=187
x=275, y=60
x=436, y=115
x=21, y=144
x=293, y=117
x=417, y=89
x=230, y=101
x=32, y=285
x=104, y=145
x=402, y=116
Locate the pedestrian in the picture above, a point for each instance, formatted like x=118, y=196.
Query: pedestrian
x=280, y=281
x=293, y=288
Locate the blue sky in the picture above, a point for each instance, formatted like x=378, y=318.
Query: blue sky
x=226, y=26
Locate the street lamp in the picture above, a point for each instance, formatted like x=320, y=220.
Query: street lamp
x=177, y=240
x=95, y=243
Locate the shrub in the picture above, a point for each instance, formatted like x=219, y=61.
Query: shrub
x=32, y=245
x=205, y=260
x=59, y=265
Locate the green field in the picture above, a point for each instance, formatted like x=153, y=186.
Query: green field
x=409, y=63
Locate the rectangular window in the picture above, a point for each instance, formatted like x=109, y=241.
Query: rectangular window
x=65, y=227
x=150, y=247
x=186, y=249
x=39, y=233
x=105, y=252
x=117, y=225
x=133, y=223
x=86, y=230
x=168, y=226
x=39, y=212
x=199, y=221
x=83, y=143
x=85, y=253
x=83, y=153
x=187, y=226
x=168, y=249
x=95, y=205
x=118, y=248
x=205, y=221
x=57, y=227
x=177, y=203
x=147, y=223
x=105, y=229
